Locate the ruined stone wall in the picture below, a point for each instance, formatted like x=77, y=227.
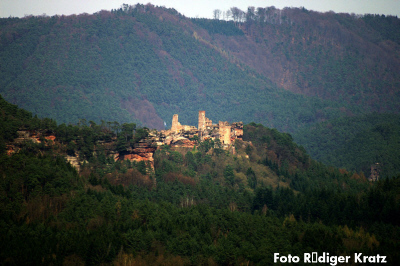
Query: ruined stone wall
x=204, y=124
x=188, y=128
x=237, y=130
x=208, y=123
x=202, y=121
x=176, y=126
x=375, y=171
x=224, y=133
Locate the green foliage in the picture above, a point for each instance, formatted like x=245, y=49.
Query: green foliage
x=356, y=143
x=12, y=119
x=371, y=207
x=141, y=133
x=213, y=26
x=121, y=144
x=27, y=176
x=206, y=145
x=252, y=179
x=277, y=148
x=386, y=26
x=229, y=175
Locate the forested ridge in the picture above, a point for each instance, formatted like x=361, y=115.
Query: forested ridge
x=198, y=206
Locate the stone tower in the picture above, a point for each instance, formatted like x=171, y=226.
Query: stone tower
x=224, y=132
x=202, y=120
x=375, y=171
x=175, y=124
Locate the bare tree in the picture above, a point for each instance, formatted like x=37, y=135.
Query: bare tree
x=241, y=16
x=228, y=14
x=251, y=14
x=216, y=13
x=235, y=13
x=261, y=14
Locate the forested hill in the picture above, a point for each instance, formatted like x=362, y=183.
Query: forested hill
x=356, y=142
x=339, y=57
x=197, y=206
x=143, y=64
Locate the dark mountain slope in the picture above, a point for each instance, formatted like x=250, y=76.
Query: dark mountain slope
x=356, y=142
x=339, y=57
x=141, y=64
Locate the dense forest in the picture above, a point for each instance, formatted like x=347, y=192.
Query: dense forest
x=355, y=143
x=340, y=57
x=138, y=65
x=197, y=206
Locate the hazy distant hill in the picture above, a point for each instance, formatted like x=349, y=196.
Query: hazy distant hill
x=340, y=57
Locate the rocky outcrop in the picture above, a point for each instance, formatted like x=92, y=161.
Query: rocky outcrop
x=142, y=151
x=74, y=161
x=183, y=142
x=24, y=136
x=35, y=137
x=27, y=136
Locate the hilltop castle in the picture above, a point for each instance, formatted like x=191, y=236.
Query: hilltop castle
x=183, y=136
x=223, y=131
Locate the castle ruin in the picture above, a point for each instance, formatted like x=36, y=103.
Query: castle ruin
x=222, y=131
x=177, y=128
x=375, y=172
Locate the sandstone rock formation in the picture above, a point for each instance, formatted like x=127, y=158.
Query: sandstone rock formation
x=142, y=151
